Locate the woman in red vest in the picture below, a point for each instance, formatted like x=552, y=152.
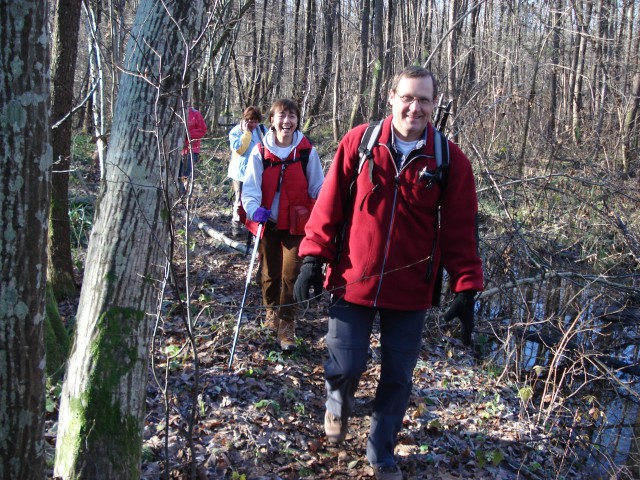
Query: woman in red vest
x=282, y=181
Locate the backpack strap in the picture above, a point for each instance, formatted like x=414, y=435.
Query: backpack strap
x=303, y=158
x=262, y=131
x=368, y=141
x=441, y=149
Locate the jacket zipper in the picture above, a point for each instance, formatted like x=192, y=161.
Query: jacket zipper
x=393, y=217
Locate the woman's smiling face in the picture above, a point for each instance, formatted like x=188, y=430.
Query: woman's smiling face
x=284, y=123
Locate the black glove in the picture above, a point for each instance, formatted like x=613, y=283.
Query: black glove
x=310, y=275
x=462, y=307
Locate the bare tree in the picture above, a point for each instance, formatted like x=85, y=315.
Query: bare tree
x=330, y=17
x=583, y=10
x=374, y=110
x=310, y=27
x=103, y=401
x=64, y=52
x=25, y=162
x=631, y=125
x=358, y=98
x=553, y=74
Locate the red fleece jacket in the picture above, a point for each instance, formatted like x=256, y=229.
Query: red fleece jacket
x=392, y=245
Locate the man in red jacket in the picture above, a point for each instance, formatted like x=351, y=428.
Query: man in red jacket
x=382, y=242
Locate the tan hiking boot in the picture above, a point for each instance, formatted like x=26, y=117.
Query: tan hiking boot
x=287, y=335
x=334, y=428
x=272, y=322
x=388, y=473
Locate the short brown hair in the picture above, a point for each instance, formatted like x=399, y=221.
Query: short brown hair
x=284, y=104
x=252, y=113
x=414, y=71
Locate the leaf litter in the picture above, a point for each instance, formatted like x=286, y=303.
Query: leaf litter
x=263, y=419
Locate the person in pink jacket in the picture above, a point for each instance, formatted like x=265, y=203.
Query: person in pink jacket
x=382, y=234
x=196, y=129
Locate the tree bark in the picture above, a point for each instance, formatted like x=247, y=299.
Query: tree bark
x=64, y=52
x=310, y=26
x=630, y=126
x=296, y=88
x=25, y=165
x=330, y=16
x=584, y=19
x=337, y=78
x=103, y=400
x=553, y=77
x=378, y=65
x=356, y=112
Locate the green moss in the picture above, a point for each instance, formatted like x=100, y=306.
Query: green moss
x=110, y=276
x=98, y=421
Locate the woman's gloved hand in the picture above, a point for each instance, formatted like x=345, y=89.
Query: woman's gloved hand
x=462, y=307
x=261, y=215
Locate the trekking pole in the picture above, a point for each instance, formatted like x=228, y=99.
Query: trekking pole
x=244, y=295
x=442, y=114
x=445, y=116
x=437, y=114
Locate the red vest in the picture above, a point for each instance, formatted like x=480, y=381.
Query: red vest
x=290, y=179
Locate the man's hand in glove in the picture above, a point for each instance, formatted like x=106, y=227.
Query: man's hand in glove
x=310, y=276
x=462, y=308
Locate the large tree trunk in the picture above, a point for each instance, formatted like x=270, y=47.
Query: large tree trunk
x=103, y=400
x=63, y=66
x=25, y=168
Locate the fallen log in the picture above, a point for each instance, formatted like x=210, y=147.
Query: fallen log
x=221, y=237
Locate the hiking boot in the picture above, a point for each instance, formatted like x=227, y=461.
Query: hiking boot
x=388, y=473
x=272, y=322
x=287, y=335
x=334, y=428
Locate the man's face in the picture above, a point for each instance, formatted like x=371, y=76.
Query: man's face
x=412, y=104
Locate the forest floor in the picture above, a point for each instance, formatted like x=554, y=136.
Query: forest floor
x=263, y=417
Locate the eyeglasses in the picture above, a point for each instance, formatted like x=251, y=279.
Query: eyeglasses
x=409, y=99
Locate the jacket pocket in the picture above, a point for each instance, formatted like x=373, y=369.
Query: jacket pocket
x=298, y=218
